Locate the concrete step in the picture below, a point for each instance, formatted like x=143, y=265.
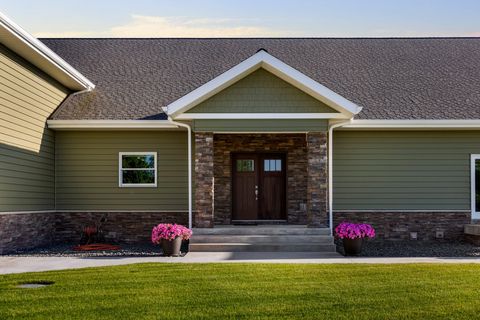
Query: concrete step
x=264, y=247
x=261, y=230
x=260, y=239
x=472, y=229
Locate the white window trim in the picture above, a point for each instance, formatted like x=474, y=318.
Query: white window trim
x=473, y=158
x=136, y=185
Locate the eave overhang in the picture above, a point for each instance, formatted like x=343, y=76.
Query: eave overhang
x=111, y=125
x=412, y=125
x=34, y=51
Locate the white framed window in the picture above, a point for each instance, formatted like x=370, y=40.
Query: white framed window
x=475, y=185
x=137, y=169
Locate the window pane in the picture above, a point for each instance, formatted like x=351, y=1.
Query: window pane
x=138, y=161
x=477, y=185
x=272, y=165
x=245, y=166
x=138, y=177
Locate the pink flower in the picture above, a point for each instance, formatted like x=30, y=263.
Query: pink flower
x=350, y=230
x=170, y=231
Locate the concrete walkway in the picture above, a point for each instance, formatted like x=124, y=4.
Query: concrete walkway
x=9, y=264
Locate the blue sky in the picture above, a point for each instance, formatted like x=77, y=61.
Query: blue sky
x=245, y=18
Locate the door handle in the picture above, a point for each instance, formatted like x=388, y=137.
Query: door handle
x=256, y=193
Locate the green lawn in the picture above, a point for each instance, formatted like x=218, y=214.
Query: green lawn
x=235, y=291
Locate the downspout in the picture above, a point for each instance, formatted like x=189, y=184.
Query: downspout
x=189, y=130
x=330, y=171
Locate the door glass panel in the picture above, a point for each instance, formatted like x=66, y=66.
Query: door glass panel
x=272, y=165
x=278, y=165
x=245, y=165
x=477, y=185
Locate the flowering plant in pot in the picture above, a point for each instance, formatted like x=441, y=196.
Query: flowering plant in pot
x=352, y=235
x=170, y=237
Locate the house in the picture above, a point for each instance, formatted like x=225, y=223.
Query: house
x=212, y=132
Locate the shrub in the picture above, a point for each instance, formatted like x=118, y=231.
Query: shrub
x=170, y=231
x=348, y=230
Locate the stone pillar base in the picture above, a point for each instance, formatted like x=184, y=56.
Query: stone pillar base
x=204, y=180
x=317, y=189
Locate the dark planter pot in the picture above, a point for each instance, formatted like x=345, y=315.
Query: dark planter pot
x=185, y=246
x=352, y=247
x=171, y=247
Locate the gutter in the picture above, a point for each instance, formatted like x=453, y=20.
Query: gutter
x=190, y=200
x=472, y=124
x=109, y=124
x=89, y=89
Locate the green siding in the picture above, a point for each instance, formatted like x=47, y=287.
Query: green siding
x=403, y=170
x=261, y=92
x=260, y=125
x=27, y=98
x=87, y=170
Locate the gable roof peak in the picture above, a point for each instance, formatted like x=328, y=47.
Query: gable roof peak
x=262, y=59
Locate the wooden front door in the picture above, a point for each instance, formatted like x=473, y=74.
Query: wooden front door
x=258, y=186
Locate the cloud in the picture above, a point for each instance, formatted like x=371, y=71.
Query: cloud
x=155, y=26
x=67, y=34
x=182, y=27
x=473, y=34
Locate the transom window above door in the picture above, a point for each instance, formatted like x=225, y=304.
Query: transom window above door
x=137, y=169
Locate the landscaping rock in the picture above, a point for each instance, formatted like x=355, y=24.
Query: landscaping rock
x=417, y=249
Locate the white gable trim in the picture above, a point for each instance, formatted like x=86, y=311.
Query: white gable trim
x=282, y=70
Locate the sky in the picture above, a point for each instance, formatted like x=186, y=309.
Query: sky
x=245, y=18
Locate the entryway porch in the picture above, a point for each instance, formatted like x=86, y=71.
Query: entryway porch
x=261, y=177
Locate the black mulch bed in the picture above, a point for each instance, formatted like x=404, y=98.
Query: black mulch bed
x=370, y=249
x=416, y=249
x=66, y=250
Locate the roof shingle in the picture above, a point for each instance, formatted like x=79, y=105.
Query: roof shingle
x=417, y=78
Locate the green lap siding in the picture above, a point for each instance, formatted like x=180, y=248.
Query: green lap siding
x=403, y=170
x=261, y=92
x=87, y=170
x=27, y=98
x=260, y=125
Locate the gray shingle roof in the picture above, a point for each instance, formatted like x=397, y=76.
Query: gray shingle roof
x=418, y=78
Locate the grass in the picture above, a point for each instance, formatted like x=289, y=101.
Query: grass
x=247, y=291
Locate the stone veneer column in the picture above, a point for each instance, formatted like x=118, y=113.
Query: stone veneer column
x=204, y=179
x=317, y=191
